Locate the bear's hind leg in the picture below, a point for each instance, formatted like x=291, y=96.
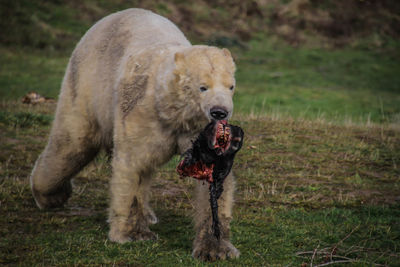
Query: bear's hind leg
x=67, y=152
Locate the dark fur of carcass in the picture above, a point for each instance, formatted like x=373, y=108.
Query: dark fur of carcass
x=211, y=159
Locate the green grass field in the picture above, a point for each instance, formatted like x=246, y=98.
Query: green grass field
x=349, y=84
x=346, y=85
x=318, y=178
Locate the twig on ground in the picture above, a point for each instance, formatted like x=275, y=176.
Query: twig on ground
x=313, y=256
x=327, y=252
x=343, y=239
x=334, y=262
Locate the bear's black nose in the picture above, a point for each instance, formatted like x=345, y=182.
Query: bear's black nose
x=218, y=113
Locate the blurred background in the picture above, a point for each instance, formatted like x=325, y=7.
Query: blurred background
x=336, y=60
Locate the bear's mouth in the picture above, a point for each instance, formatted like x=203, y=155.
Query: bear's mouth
x=222, y=137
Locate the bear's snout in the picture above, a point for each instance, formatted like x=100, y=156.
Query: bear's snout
x=218, y=113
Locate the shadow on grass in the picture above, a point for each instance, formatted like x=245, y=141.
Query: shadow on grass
x=175, y=228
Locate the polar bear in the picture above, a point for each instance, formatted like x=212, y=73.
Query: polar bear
x=135, y=86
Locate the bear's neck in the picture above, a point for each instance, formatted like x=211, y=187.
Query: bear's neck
x=178, y=111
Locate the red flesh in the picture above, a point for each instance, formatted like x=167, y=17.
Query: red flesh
x=222, y=137
x=201, y=171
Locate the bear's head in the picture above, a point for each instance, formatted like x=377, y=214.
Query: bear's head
x=204, y=75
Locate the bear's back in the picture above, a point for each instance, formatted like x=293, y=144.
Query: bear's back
x=136, y=28
x=103, y=50
x=101, y=57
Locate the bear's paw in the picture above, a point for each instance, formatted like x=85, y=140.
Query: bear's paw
x=217, y=250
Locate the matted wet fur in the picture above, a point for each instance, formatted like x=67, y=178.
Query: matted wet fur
x=136, y=86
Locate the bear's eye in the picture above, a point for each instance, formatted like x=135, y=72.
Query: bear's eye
x=203, y=88
x=231, y=88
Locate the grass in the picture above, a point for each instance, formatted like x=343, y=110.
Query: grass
x=26, y=71
x=308, y=192
x=338, y=85
x=346, y=84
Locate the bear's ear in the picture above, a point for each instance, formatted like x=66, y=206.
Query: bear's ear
x=227, y=52
x=179, y=58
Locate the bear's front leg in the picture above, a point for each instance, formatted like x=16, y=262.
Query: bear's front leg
x=206, y=246
x=130, y=213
